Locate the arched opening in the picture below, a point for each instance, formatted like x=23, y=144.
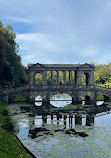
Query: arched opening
x=101, y=99
x=60, y=100
x=106, y=98
x=67, y=78
x=87, y=98
x=52, y=77
x=70, y=77
x=48, y=77
x=85, y=79
x=38, y=100
x=20, y=98
x=38, y=78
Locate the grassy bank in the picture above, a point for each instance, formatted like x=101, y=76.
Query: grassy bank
x=104, y=85
x=9, y=146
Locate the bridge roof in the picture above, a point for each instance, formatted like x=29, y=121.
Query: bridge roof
x=61, y=65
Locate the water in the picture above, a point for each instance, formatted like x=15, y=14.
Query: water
x=51, y=140
x=58, y=100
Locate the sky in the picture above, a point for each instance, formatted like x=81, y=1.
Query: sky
x=60, y=31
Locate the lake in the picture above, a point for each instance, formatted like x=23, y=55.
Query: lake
x=53, y=136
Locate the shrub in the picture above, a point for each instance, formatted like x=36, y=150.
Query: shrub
x=8, y=124
x=4, y=112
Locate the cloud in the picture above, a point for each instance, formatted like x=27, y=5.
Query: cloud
x=37, y=47
x=42, y=48
x=19, y=19
x=37, y=41
x=60, y=31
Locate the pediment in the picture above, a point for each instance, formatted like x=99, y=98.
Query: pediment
x=37, y=65
x=86, y=65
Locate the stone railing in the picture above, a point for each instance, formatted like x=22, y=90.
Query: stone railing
x=104, y=88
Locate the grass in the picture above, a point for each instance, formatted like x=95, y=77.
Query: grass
x=20, y=98
x=103, y=85
x=100, y=97
x=9, y=145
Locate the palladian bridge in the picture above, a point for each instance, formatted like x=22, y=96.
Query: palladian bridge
x=46, y=80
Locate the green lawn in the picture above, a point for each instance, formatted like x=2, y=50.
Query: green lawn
x=9, y=146
x=103, y=85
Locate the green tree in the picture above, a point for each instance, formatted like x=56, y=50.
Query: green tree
x=12, y=72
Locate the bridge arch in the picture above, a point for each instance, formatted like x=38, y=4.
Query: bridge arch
x=106, y=98
x=60, y=99
x=19, y=98
x=103, y=97
x=16, y=98
x=38, y=100
x=87, y=98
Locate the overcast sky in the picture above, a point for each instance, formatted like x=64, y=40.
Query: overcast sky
x=60, y=31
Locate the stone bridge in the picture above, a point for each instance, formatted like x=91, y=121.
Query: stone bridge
x=46, y=80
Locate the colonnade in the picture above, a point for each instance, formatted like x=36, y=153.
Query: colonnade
x=64, y=77
x=77, y=77
x=74, y=77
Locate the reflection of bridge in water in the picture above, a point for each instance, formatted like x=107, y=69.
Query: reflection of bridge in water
x=52, y=83
x=68, y=121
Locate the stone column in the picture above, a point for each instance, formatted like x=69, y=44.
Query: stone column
x=32, y=78
x=64, y=77
x=57, y=77
x=91, y=82
x=71, y=77
x=79, y=78
x=44, y=77
x=75, y=78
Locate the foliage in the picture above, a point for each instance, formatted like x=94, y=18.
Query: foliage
x=4, y=112
x=9, y=146
x=102, y=73
x=12, y=72
x=38, y=78
x=7, y=124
